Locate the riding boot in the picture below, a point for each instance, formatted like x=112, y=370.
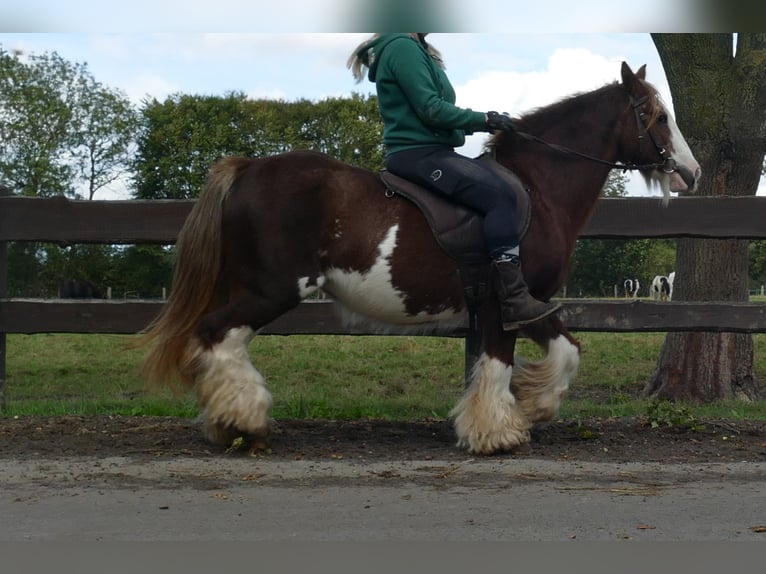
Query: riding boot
x=517, y=306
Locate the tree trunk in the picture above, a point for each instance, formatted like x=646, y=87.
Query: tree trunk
x=720, y=104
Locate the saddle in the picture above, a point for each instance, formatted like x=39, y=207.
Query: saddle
x=458, y=229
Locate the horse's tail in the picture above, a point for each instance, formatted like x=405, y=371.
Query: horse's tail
x=196, y=288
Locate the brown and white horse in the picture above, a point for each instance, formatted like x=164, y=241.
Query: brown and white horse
x=266, y=233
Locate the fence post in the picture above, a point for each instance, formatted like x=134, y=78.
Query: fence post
x=3, y=293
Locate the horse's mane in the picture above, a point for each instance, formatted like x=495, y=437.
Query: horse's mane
x=553, y=116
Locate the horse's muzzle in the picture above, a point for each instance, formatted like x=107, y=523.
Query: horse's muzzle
x=682, y=178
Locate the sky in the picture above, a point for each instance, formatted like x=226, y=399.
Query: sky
x=285, y=50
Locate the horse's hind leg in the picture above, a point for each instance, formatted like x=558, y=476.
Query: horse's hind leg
x=487, y=418
x=539, y=386
x=232, y=392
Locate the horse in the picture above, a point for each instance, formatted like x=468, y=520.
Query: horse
x=660, y=288
x=79, y=289
x=671, y=280
x=268, y=232
x=631, y=287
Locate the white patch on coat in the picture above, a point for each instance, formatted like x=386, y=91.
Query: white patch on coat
x=308, y=286
x=372, y=293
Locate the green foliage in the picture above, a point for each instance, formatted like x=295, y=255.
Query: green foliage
x=61, y=129
x=598, y=265
x=104, y=141
x=141, y=271
x=184, y=135
x=133, y=271
x=664, y=413
x=35, y=112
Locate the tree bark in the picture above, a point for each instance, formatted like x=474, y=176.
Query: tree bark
x=719, y=100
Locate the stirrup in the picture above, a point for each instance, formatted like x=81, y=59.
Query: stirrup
x=518, y=324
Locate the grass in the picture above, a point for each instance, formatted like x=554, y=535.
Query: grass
x=342, y=377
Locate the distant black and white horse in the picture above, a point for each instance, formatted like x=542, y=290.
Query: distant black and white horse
x=631, y=288
x=660, y=289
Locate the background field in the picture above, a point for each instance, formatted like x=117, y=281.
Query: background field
x=338, y=377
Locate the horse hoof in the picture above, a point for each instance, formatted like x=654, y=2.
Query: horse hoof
x=225, y=434
x=495, y=443
x=220, y=435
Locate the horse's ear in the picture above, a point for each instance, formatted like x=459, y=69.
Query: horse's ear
x=629, y=79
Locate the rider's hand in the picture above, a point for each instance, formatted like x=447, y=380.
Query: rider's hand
x=500, y=122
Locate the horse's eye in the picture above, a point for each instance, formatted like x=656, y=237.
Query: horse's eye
x=662, y=118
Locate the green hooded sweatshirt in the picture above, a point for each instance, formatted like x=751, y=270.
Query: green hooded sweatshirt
x=415, y=97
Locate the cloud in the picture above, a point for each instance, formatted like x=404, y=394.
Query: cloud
x=568, y=71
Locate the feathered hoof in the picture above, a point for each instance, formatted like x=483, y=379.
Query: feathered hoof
x=234, y=408
x=224, y=434
x=220, y=435
x=497, y=442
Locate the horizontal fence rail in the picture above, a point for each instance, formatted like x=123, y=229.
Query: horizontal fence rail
x=322, y=317
x=157, y=221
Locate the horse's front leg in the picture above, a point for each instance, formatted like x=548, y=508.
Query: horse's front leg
x=488, y=418
x=539, y=386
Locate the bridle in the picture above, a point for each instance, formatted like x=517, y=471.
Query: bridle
x=668, y=164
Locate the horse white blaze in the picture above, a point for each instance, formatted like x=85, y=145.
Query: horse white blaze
x=231, y=390
x=539, y=386
x=683, y=156
x=372, y=294
x=487, y=418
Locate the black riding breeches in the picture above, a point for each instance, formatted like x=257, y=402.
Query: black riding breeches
x=467, y=181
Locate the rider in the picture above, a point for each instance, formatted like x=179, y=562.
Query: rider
x=422, y=126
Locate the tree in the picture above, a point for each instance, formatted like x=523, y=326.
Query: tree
x=719, y=96
x=61, y=128
x=184, y=135
x=103, y=138
x=36, y=109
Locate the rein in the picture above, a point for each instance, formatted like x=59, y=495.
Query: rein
x=668, y=164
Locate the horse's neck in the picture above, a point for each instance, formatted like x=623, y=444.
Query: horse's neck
x=570, y=182
x=570, y=185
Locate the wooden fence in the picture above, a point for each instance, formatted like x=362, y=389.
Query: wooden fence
x=128, y=222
